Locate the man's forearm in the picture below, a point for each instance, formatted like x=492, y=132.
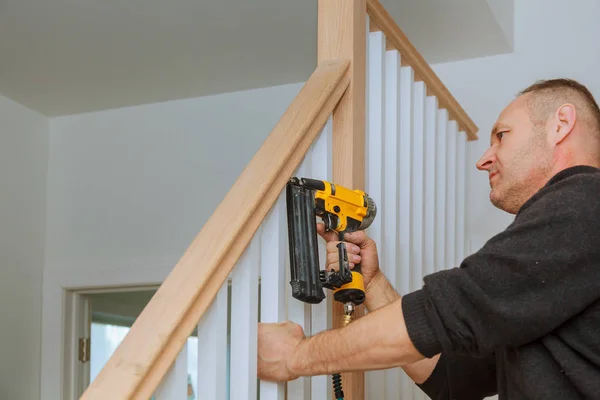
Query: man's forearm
x=381, y=293
x=378, y=340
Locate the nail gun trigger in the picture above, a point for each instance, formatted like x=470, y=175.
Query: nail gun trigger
x=326, y=221
x=330, y=221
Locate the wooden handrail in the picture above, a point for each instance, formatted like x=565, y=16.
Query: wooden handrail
x=380, y=19
x=140, y=362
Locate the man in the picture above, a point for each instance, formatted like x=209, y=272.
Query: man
x=520, y=317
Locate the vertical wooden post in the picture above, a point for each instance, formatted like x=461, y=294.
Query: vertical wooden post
x=342, y=35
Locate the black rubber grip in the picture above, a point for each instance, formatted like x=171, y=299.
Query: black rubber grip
x=313, y=183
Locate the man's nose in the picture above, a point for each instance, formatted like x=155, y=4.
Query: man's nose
x=486, y=161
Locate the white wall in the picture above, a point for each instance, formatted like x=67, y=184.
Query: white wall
x=551, y=40
x=135, y=185
x=23, y=164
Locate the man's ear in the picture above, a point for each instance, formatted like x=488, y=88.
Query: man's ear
x=563, y=123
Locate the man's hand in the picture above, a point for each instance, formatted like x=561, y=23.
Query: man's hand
x=366, y=344
x=361, y=249
x=277, y=344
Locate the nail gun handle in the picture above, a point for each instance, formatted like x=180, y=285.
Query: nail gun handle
x=343, y=257
x=354, y=290
x=344, y=264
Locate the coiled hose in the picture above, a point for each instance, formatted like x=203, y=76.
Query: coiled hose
x=337, y=387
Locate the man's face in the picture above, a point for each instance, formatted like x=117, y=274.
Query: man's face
x=518, y=159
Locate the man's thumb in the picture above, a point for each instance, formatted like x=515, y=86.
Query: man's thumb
x=359, y=238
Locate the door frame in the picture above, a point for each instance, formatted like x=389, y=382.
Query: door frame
x=77, y=324
x=61, y=294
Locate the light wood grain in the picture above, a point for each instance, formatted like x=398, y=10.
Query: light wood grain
x=342, y=35
x=381, y=19
x=140, y=362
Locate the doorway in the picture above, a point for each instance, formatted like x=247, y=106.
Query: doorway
x=100, y=321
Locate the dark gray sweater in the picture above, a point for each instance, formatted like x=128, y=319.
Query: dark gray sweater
x=521, y=317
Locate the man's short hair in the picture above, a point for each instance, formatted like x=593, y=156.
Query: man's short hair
x=548, y=95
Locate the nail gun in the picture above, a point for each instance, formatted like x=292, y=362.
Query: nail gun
x=342, y=210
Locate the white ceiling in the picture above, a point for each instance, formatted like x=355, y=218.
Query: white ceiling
x=62, y=57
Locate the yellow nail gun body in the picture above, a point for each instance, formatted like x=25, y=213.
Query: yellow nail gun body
x=342, y=210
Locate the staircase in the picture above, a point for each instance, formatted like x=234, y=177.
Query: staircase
x=373, y=116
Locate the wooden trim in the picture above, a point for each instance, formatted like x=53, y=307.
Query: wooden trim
x=140, y=362
x=342, y=35
x=381, y=19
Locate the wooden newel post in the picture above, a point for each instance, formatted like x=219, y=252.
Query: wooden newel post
x=342, y=35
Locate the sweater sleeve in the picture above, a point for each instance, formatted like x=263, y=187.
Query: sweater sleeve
x=464, y=378
x=524, y=282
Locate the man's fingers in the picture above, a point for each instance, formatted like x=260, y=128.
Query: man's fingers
x=333, y=260
x=350, y=247
x=359, y=238
x=327, y=235
x=355, y=241
x=332, y=247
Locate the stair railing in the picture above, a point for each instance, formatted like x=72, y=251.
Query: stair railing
x=335, y=94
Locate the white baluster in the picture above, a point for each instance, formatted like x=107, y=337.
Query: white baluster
x=405, y=179
x=375, y=380
x=212, y=347
x=390, y=201
x=451, y=195
x=375, y=130
x=405, y=217
x=431, y=168
x=273, y=247
x=321, y=315
x=298, y=311
x=461, y=196
x=418, y=187
x=174, y=385
x=417, y=204
x=244, y=320
x=389, y=216
x=440, y=198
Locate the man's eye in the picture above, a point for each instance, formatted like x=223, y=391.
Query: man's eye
x=499, y=135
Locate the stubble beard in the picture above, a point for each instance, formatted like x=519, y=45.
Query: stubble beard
x=512, y=191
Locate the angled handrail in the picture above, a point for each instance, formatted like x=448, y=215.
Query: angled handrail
x=142, y=359
x=383, y=21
